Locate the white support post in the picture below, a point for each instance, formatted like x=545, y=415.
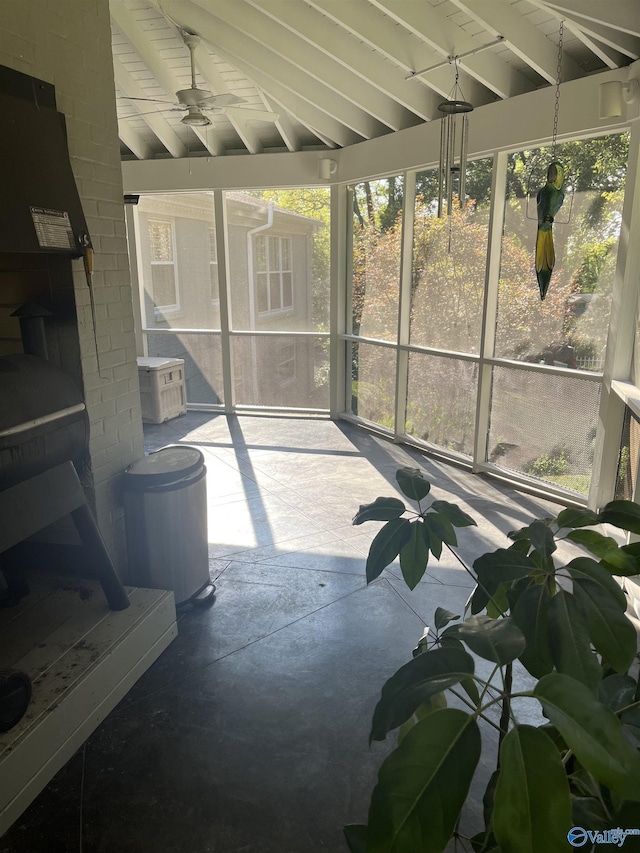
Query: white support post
x=220, y=210
x=621, y=338
x=488, y=334
x=135, y=259
x=340, y=228
x=404, y=307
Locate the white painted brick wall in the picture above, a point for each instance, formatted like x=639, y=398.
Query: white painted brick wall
x=68, y=43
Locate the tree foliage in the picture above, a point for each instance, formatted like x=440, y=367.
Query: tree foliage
x=449, y=270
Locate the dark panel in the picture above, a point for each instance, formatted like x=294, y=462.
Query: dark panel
x=38, y=186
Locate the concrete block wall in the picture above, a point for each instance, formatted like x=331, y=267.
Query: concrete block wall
x=68, y=43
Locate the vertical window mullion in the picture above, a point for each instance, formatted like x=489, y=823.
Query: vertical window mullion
x=220, y=210
x=404, y=308
x=490, y=307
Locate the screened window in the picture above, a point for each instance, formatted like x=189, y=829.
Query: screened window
x=213, y=265
x=273, y=274
x=163, y=266
x=287, y=364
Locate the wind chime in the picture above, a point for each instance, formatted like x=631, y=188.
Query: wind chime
x=550, y=197
x=454, y=132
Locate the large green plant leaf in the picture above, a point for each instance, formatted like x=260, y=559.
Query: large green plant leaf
x=632, y=550
x=622, y=562
x=453, y=512
x=505, y=564
x=592, y=732
x=423, y=785
x=434, y=703
x=576, y=518
x=623, y=514
x=356, y=838
x=498, y=603
x=433, y=539
x=441, y=528
x=386, y=546
x=414, y=556
x=610, y=631
x=617, y=691
x=481, y=595
x=382, y=509
x=531, y=615
x=584, y=568
x=532, y=808
x=593, y=541
x=425, y=675
x=442, y=617
x=413, y=483
x=498, y=640
x=542, y=539
x=589, y=811
x=616, y=560
x=569, y=641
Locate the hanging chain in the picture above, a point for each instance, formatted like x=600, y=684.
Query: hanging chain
x=558, y=76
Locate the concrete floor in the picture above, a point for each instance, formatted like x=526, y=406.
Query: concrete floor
x=249, y=734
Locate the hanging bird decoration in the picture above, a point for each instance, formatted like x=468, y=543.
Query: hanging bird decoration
x=549, y=201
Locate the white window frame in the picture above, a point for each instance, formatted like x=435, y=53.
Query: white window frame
x=268, y=272
x=213, y=262
x=284, y=361
x=169, y=308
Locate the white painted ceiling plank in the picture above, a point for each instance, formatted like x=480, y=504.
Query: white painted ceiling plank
x=156, y=122
x=256, y=60
x=622, y=15
x=134, y=141
x=524, y=39
x=215, y=83
x=608, y=55
x=248, y=134
x=272, y=48
x=140, y=40
x=286, y=129
x=306, y=23
x=332, y=132
x=621, y=42
x=447, y=38
x=409, y=53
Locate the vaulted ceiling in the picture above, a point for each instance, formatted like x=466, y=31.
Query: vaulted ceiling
x=322, y=74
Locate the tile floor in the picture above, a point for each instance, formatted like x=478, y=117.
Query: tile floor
x=249, y=734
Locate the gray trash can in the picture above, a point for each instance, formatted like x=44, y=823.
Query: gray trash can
x=165, y=504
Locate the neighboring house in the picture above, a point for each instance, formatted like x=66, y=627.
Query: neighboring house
x=270, y=251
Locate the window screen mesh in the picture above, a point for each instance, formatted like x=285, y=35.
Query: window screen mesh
x=441, y=401
x=280, y=370
x=628, y=457
x=202, y=356
x=544, y=425
x=373, y=383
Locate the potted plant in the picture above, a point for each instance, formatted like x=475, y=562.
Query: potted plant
x=573, y=780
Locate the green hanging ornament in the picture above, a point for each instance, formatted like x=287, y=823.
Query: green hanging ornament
x=549, y=201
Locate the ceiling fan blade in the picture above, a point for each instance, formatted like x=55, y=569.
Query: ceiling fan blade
x=151, y=113
x=251, y=114
x=154, y=100
x=217, y=101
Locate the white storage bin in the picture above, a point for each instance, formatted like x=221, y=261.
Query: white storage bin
x=162, y=392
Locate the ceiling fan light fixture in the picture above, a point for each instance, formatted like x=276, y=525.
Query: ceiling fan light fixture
x=194, y=118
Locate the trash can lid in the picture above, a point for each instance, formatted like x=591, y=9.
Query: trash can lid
x=168, y=465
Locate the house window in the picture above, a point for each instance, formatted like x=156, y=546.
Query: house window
x=213, y=265
x=286, y=368
x=164, y=283
x=273, y=274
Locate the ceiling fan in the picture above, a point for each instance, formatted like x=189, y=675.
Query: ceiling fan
x=196, y=101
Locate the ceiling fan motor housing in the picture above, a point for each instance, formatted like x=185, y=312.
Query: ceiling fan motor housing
x=196, y=118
